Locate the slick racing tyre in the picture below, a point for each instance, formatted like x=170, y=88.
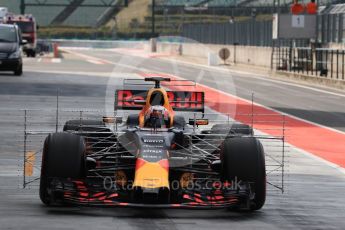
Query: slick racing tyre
x=96, y=134
x=235, y=128
x=63, y=157
x=84, y=125
x=179, y=122
x=243, y=160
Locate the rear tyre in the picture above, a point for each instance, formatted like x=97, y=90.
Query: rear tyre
x=83, y=125
x=132, y=120
x=179, y=122
x=235, y=128
x=243, y=159
x=63, y=157
x=97, y=135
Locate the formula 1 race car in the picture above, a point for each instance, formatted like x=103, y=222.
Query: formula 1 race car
x=157, y=159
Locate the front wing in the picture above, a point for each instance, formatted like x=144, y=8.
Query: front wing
x=83, y=194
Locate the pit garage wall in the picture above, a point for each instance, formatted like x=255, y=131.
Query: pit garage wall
x=252, y=55
x=257, y=56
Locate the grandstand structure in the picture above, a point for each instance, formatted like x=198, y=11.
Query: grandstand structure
x=239, y=3
x=94, y=13
x=88, y=13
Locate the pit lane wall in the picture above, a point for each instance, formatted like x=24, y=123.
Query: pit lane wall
x=249, y=55
x=254, y=56
x=245, y=56
x=98, y=44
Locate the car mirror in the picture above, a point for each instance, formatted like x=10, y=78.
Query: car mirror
x=198, y=121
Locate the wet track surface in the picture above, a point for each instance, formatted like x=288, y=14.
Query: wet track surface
x=314, y=190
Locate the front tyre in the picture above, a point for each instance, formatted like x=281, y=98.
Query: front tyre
x=63, y=157
x=243, y=159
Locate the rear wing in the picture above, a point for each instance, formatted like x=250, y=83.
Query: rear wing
x=179, y=100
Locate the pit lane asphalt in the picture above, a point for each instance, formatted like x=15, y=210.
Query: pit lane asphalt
x=313, y=200
x=316, y=106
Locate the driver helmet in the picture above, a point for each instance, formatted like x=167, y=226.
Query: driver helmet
x=157, y=116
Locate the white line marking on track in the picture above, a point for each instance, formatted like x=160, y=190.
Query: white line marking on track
x=75, y=48
x=88, y=57
x=56, y=60
x=319, y=159
x=96, y=62
x=97, y=74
